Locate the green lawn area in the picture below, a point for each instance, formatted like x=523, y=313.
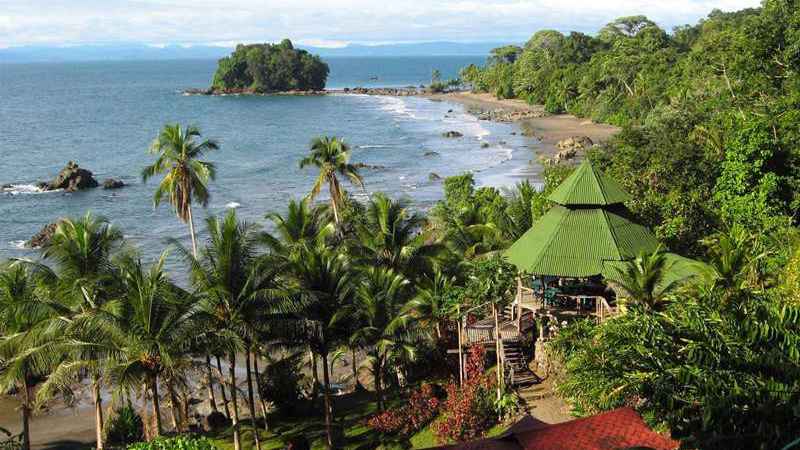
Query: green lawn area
x=351, y=412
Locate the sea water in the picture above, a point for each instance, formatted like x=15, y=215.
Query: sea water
x=104, y=115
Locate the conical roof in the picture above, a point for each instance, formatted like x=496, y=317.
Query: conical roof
x=588, y=227
x=587, y=186
x=576, y=242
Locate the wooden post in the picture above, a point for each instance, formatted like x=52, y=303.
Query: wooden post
x=460, y=348
x=520, y=296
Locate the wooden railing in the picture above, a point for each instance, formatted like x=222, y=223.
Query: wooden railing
x=603, y=310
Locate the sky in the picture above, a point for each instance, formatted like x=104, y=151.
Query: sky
x=330, y=23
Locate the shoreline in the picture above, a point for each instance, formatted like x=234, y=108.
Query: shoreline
x=548, y=129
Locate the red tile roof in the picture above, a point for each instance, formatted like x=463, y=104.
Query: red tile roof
x=613, y=430
x=619, y=429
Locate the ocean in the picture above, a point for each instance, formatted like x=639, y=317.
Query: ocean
x=104, y=115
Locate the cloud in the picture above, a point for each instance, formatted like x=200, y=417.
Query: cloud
x=330, y=22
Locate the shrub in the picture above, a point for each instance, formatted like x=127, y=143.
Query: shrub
x=469, y=410
x=123, y=427
x=175, y=443
x=280, y=383
x=422, y=407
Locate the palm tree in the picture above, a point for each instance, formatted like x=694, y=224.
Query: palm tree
x=24, y=325
x=186, y=181
x=379, y=307
x=158, y=323
x=187, y=177
x=734, y=255
x=235, y=286
x=331, y=156
x=645, y=280
x=301, y=226
x=84, y=285
x=322, y=280
x=430, y=305
x=390, y=236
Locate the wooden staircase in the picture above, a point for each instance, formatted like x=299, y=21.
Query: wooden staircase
x=515, y=365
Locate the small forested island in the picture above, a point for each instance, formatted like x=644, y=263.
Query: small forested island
x=269, y=68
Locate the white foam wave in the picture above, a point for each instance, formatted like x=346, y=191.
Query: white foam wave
x=18, y=244
x=15, y=189
x=396, y=106
x=374, y=146
x=233, y=205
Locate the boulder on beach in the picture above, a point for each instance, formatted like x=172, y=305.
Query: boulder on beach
x=575, y=143
x=433, y=176
x=452, y=134
x=111, y=183
x=73, y=178
x=42, y=238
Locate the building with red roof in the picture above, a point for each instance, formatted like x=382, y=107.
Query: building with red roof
x=620, y=429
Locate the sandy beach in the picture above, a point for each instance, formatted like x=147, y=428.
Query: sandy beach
x=548, y=129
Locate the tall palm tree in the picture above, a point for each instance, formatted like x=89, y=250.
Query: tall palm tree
x=83, y=285
x=158, y=323
x=24, y=325
x=185, y=181
x=186, y=175
x=322, y=280
x=645, y=280
x=331, y=156
x=235, y=286
x=379, y=306
x=390, y=236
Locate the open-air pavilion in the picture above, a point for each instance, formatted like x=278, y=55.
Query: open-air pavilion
x=563, y=260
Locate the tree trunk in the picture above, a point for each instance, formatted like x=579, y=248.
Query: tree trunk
x=251, y=400
x=212, y=399
x=174, y=408
x=379, y=383
x=98, y=413
x=145, y=416
x=314, y=376
x=334, y=191
x=354, y=367
x=156, y=406
x=222, y=389
x=191, y=232
x=327, y=395
x=497, y=350
x=260, y=391
x=237, y=438
x=26, y=415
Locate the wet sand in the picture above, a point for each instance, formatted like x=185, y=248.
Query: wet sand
x=548, y=129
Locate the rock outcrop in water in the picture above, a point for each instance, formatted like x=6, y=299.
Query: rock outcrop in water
x=452, y=134
x=72, y=178
x=112, y=183
x=44, y=235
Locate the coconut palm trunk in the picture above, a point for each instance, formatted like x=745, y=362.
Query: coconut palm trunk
x=98, y=413
x=260, y=391
x=26, y=415
x=379, y=382
x=335, y=196
x=327, y=395
x=156, y=406
x=174, y=408
x=237, y=438
x=212, y=399
x=251, y=401
x=222, y=390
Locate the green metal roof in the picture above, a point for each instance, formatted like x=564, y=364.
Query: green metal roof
x=587, y=186
x=575, y=242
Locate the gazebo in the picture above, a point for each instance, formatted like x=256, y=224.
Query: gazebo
x=580, y=238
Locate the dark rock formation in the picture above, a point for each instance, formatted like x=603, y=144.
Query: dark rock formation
x=452, y=134
x=73, y=178
x=111, y=183
x=42, y=238
x=485, y=145
x=433, y=176
x=430, y=154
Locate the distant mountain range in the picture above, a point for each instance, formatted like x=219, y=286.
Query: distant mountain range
x=118, y=52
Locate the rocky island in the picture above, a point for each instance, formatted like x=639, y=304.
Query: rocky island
x=268, y=69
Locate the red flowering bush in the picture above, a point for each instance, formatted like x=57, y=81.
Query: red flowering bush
x=469, y=410
x=422, y=407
